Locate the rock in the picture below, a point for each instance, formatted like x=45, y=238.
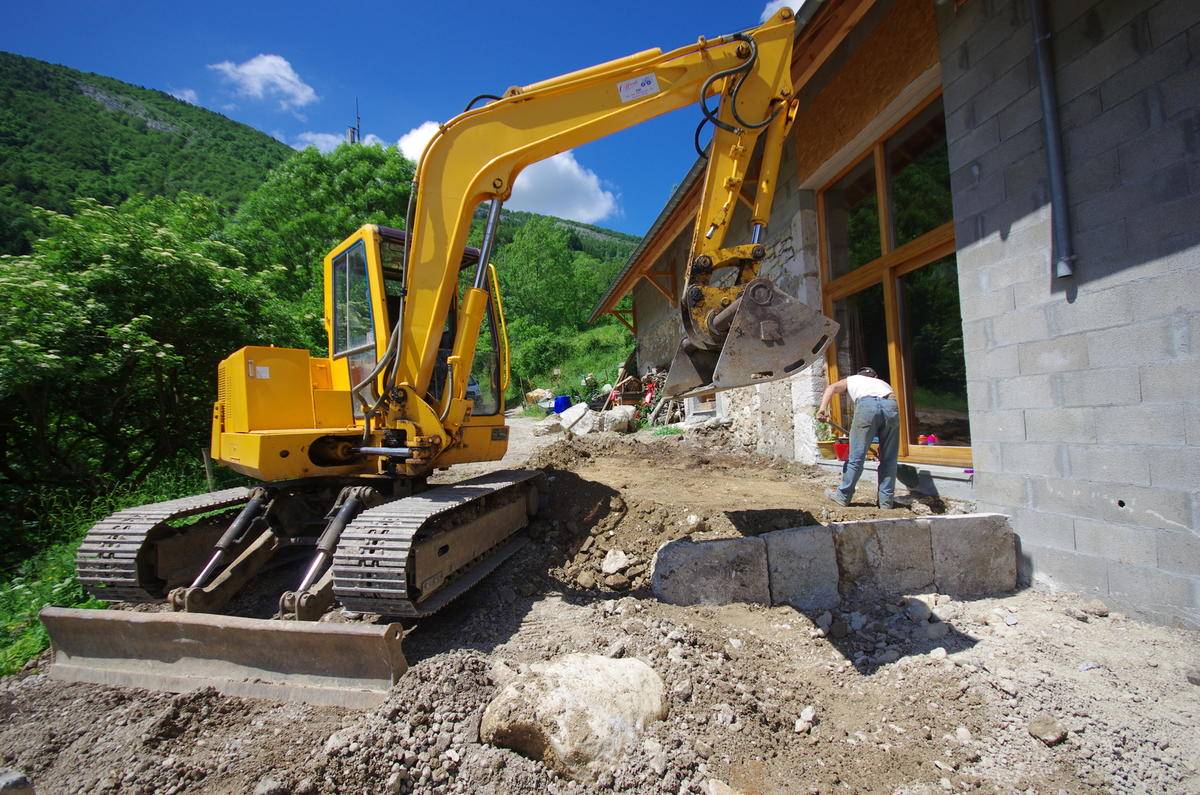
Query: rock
x=579, y=419
x=615, y=561
x=576, y=713
x=14, y=782
x=824, y=620
x=962, y=734
x=723, y=571
x=1045, y=728
x=1010, y=620
x=839, y=629
x=617, y=648
x=695, y=524
x=936, y=631
x=1076, y=614
x=1089, y=665
x=549, y=426
x=889, y=556
x=803, y=567
x=917, y=610
x=856, y=620
x=682, y=688
x=336, y=742
x=1193, y=676
x=938, y=654
x=803, y=726
x=618, y=582
x=1094, y=607
x=586, y=580
x=717, y=787
x=809, y=714
x=973, y=554
x=920, y=509
x=619, y=419
x=271, y=785
x=888, y=655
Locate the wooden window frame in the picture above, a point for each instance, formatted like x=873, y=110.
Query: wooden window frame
x=893, y=262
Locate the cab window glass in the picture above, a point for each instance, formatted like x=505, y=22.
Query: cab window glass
x=353, y=326
x=483, y=389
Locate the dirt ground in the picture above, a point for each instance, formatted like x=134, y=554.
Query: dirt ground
x=946, y=714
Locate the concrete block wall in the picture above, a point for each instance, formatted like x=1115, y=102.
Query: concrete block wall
x=1084, y=394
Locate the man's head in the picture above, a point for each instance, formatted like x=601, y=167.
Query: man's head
x=869, y=372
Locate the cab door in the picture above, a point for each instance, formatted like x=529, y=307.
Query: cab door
x=355, y=311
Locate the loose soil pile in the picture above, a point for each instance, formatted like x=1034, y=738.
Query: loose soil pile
x=951, y=713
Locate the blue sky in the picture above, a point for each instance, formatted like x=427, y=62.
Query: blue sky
x=294, y=69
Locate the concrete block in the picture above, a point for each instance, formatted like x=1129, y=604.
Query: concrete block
x=1112, y=463
x=1148, y=341
x=716, y=572
x=1164, y=232
x=1110, y=386
x=803, y=568
x=1002, y=488
x=1170, y=17
x=1156, y=594
x=1031, y=458
x=1171, y=382
x=1060, y=425
x=1023, y=325
x=973, y=555
x=1093, y=311
x=1143, y=424
x=1026, y=392
x=1054, y=355
x=1035, y=528
x=1181, y=93
x=1124, y=544
x=1175, y=467
x=994, y=363
x=1117, y=503
x=1060, y=570
x=1167, y=294
x=1178, y=551
x=890, y=556
x=998, y=426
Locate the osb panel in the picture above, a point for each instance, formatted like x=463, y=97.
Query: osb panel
x=902, y=46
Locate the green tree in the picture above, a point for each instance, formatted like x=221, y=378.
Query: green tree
x=115, y=324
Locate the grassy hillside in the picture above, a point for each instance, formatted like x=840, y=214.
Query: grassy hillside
x=66, y=134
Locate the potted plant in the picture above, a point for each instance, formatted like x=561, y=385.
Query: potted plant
x=826, y=438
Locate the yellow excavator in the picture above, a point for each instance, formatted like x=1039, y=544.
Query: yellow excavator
x=414, y=381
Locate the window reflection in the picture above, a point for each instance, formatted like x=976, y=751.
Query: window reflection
x=935, y=370
x=919, y=176
x=862, y=340
x=852, y=220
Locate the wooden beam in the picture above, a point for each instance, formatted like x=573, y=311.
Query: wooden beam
x=619, y=314
x=822, y=36
x=670, y=299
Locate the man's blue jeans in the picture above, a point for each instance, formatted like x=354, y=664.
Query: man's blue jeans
x=873, y=417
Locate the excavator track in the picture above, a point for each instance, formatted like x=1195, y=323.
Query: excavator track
x=413, y=556
x=107, y=561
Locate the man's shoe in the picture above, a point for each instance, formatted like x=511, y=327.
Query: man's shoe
x=887, y=506
x=837, y=497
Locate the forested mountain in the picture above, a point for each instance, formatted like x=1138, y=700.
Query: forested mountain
x=66, y=134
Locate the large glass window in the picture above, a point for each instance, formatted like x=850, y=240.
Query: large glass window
x=931, y=329
x=353, y=324
x=852, y=219
x=891, y=281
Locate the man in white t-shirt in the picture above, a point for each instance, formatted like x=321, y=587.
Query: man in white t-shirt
x=875, y=415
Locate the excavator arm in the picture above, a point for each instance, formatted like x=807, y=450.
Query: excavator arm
x=477, y=156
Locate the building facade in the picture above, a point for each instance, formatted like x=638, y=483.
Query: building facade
x=917, y=207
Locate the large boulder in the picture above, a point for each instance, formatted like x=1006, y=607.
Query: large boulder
x=887, y=556
x=973, y=555
x=579, y=419
x=576, y=713
x=718, y=572
x=619, y=419
x=803, y=567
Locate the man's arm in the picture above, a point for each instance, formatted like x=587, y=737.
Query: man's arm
x=836, y=388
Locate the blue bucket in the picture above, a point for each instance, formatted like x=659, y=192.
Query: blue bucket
x=562, y=403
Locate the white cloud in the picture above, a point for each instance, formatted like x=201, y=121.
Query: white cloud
x=186, y=94
x=562, y=187
x=324, y=142
x=412, y=143
x=371, y=139
x=774, y=5
x=268, y=76
x=559, y=186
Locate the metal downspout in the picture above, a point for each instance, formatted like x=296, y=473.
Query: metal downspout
x=1060, y=221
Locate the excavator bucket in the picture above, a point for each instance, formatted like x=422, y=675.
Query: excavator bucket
x=771, y=336
x=343, y=665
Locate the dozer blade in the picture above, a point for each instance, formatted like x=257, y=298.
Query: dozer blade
x=771, y=336
x=342, y=665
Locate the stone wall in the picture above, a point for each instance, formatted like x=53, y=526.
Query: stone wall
x=1084, y=394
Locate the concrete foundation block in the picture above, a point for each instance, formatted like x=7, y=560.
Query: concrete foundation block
x=890, y=556
x=802, y=564
x=973, y=555
x=716, y=572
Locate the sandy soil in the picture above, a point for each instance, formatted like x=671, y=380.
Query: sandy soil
x=951, y=714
